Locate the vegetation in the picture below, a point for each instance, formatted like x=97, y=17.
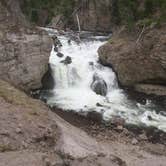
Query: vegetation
x=123, y=11
x=130, y=11
x=16, y=97
x=5, y=148
x=32, y=8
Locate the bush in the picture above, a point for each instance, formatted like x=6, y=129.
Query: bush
x=54, y=7
x=127, y=12
x=123, y=11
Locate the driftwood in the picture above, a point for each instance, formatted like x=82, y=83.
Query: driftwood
x=139, y=37
x=73, y=14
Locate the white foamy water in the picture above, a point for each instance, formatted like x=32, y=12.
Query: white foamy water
x=73, y=86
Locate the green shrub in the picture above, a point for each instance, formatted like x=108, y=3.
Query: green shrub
x=54, y=7
x=127, y=12
x=34, y=16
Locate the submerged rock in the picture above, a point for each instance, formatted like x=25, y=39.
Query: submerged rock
x=69, y=42
x=99, y=86
x=99, y=105
x=67, y=60
x=56, y=41
x=91, y=63
x=60, y=55
x=55, y=49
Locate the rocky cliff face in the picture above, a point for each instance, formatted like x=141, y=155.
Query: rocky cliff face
x=10, y=14
x=24, y=51
x=138, y=58
x=95, y=15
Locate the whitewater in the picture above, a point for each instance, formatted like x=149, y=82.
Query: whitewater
x=72, y=90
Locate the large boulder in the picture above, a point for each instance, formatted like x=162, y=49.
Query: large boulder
x=24, y=58
x=138, y=58
x=98, y=85
x=67, y=60
x=24, y=50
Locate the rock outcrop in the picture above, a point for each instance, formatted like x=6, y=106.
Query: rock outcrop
x=32, y=135
x=138, y=58
x=99, y=86
x=24, y=51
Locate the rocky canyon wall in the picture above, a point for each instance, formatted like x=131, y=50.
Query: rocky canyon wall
x=139, y=59
x=95, y=15
x=24, y=50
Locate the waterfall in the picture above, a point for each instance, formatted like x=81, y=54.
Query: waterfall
x=78, y=85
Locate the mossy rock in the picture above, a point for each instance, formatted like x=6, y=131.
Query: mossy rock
x=17, y=97
x=5, y=148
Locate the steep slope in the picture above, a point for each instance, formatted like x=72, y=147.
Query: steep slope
x=32, y=135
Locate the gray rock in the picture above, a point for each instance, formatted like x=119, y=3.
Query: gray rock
x=119, y=128
x=69, y=42
x=24, y=145
x=48, y=80
x=99, y=105
x=55, y=49
x=67, y=60
x=18, y=131
x=5, y=133
x=140, y=65
x=134, y=141
x=47, y=162
x=24, y=51
x=118, y=121
x=56, y=41
x=143, y=137
x=99, y=86
x=150, y=89
x=60, y=55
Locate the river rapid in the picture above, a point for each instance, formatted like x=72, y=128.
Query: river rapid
x=74, y=87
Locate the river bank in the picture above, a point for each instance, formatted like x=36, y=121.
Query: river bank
x=32, y=135
x=115, y=130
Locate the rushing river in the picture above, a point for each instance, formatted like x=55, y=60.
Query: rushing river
x=73, y=88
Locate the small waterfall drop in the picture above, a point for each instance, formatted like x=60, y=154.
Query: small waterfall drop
x=73, y=86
